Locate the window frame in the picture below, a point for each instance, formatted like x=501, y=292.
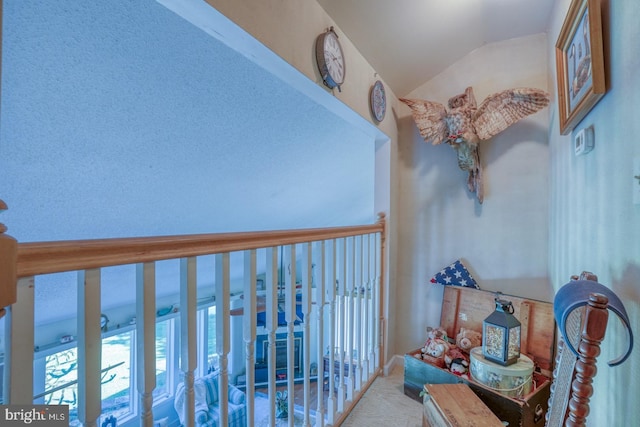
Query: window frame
x=173, y=353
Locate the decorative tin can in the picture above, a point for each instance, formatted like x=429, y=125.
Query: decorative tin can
x=514, y=380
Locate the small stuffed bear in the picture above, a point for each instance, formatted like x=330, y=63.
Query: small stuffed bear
x=460, y=367
x=434, y=351
x=437, y=332
x=468, y=339
x=454, y=353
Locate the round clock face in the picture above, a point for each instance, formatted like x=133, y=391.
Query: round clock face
x=330, y=59
x=378, y=101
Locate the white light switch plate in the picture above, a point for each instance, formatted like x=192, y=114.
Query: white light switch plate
x=636, y=181
x=584, y=141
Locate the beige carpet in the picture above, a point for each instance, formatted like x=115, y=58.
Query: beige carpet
x=386, y=405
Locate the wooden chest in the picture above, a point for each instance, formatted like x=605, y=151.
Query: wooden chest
x=467, y=308
x=455, y=405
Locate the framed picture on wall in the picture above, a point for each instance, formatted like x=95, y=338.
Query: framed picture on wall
x=579, y=63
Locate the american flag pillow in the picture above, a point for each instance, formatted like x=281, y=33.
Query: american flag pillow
x=455, y=274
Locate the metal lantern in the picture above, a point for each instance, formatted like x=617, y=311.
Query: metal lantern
x=501, y=335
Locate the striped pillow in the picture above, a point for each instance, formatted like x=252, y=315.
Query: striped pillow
x=236, y=396
x=211, y=386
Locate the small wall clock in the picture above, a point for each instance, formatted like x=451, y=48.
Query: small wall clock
x=104, y=322
x=330, y=59
x=378, y=101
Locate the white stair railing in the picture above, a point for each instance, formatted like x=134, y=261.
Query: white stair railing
x=333, y=304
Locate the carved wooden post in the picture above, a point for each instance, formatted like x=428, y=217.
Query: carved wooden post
x=8, y=261
x=18, y=359
x=595, y=324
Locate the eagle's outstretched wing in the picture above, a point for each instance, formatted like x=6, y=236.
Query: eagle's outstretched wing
x=500, y=110
x=430, y=119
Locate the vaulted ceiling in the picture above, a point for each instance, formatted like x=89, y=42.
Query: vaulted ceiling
x=409, y=41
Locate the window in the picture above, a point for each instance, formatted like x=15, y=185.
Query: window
x=212, y=355
x=164, y=340
x=117, y=396
x=61, y=375
x=206, y=341
x=59, y=367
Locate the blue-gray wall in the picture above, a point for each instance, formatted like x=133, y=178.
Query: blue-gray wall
x=594, y=224
x=122, y=119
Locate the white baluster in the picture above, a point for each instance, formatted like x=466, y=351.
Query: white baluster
x=19, y=327
x=188, y=335
x=271, y=325
x=351, y=291
x=249, y=329
x=320, y=300
x=222, y=330
x=376, y=301
x=290, y=317
x=306, y=333
x=89, y=348
x=146, y=339
x=366, y=254
x=331, y=299
x=358, y=300
x=372, y=310
x=342, y=296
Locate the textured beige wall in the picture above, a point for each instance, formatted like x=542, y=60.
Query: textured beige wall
x=503, y=242
x=289, y=28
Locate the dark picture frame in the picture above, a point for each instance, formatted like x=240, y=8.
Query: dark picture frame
x=579, y=63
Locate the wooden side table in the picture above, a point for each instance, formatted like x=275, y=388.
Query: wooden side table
x=455, y=405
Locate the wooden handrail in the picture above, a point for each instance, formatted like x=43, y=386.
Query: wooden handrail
x=71, y=255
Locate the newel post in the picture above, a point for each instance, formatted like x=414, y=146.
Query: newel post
x=8, y=261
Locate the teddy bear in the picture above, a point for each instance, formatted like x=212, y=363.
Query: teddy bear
x=437, y=332
x=460, y=367
x=454, y=353
x=468, y=339
x=434, y=351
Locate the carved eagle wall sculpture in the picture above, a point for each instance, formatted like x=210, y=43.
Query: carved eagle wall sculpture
x=463, y=125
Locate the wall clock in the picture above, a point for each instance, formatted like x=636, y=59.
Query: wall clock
x=104, y=322
x=378, y=101
x=330, y=59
